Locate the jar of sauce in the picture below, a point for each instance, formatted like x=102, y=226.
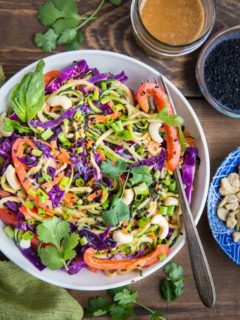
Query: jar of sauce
x=172, y=27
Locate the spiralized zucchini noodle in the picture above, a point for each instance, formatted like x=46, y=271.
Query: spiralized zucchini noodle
x=98, y=157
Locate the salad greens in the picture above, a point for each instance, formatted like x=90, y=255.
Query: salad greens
x=27, y=97
x=64, y=23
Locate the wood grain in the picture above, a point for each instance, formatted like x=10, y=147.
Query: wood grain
x=112, y=31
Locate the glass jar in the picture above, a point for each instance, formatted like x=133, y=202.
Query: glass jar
x=157, y=48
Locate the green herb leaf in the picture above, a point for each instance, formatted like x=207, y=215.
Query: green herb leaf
x=12, y=125
x=27, y=97
x=55, y=232
x=167, y=290
x=113, y=170
x=97, y=307
x=67, y=36
x=120, y=312
x=2, y=76
x=141, y=174
x=75, y=43
x=118, y=212
x=126, y=296
x=114, y=291
x=170, y=119
x=173, y=270
x=47, y=41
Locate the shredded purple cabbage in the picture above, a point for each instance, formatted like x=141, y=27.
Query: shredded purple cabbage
x=99, y=77
x=188, y=170
x=75, y=266
x=98, y=242
x=33, y=257
x=55, y=195
x=78, y=70
x=12, y=206
x=51, y=172
x=53, y=123
x=120, y=77
x=156, y=161
x=30, y=161
x=46, y=150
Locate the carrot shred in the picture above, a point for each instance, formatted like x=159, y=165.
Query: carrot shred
x=50, y=76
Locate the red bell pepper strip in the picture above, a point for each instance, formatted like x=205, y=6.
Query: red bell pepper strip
x=147, y=90
x=8, y=217
x=127, y=264
x=18, y=152
x=50, y=76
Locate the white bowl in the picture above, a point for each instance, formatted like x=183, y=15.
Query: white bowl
x=136, y=71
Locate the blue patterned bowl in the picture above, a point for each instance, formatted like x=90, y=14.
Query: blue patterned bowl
x=221, y=233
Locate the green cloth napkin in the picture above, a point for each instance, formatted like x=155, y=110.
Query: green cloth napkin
x=23, y=297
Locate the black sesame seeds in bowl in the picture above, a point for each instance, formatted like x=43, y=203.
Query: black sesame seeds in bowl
x=218, y=71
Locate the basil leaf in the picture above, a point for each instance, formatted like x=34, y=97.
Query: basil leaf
x=27, y=97
x=12, y=125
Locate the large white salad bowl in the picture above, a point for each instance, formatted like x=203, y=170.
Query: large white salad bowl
x=108, y=61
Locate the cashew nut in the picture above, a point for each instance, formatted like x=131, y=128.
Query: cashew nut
x=231, y=206
x=226, y=187
x=231, y=220
x=128, y=196
x=3, y=132
x=62, y=101
x=171, y=201
x=163, y=224
x=233, y=178
x=153, y=131
x=122, y=238
x=222, y=213
x=236, y=236
x=12, y=178
x=25, y=244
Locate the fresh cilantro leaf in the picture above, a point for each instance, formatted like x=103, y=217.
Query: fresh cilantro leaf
x=173, y=270
x=67, y=36
x=120, y=312
x=114, y=291
x=118, y=212
x=51, y=257
x=97, y=307
x=62, y=24
x=56, y=10
x=47, y=41
x=141, y=174
x=53, y=231
x=167, y=290
x=113, y=170
x=170, y=119
x=68, y=244
x=75, y=43
x=126, y=296
x=11, y=125
x=27, y=97
x=157, y=316
x=116, y=2
x=60, y=248
x=2, y=76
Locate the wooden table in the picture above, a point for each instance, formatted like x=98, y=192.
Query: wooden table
x=112, y=31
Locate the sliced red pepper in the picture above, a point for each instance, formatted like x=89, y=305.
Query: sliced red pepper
x=34, y=241
x=18, y=152
x=127, y=264
x=50, y=76
x=8, y=217
x=147, y=90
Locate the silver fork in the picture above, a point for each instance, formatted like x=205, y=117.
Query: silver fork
x=200, y=267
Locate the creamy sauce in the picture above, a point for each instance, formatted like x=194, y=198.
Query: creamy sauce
x=175, y=22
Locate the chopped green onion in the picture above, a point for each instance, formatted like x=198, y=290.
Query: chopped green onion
x=36, y=153
x=47, y=134
x=80, y=150
x=104, y=86
x=170, y=210
x=41, y=211
x=28, y=235
x=46, y=177
x=105, y=204
x=141, y=189
x=64, y=183
x=9, y=231
x=157, y=174
x=79, y=202
x=163, y=210
x=77, y=115
x=140, y=150
x=96, y=95
x=83, y=241
x=143, y=222
x=162, y=256
x=79, y=182
x=118, y=107
x=42, y=196
x=100, y=125
x=125, y=134
x=173, y=186
x=117, y=126
x=31, y=192
x=29, y=204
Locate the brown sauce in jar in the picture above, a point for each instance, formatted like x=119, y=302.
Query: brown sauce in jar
x=175, y=22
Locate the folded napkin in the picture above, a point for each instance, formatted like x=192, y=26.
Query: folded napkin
x=23, y=297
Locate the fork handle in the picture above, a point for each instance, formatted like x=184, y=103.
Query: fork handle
x=200, y=267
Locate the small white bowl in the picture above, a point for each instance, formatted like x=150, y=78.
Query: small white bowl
x=136, y=71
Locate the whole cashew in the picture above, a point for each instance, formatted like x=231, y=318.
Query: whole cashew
x=128, y=196
x=62, y=101
x=153, y=131
x=163, y=224
x=122, y=238
x=12, y=178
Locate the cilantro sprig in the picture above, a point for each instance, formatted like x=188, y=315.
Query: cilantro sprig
x=63, y=23
x=170, y=119
x=120, y=306
x=58, y=245
x=172, y=286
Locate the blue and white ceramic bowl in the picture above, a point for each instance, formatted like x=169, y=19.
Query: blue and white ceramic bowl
x=221, y=233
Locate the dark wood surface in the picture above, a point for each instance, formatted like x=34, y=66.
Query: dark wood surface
x=112, y=31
